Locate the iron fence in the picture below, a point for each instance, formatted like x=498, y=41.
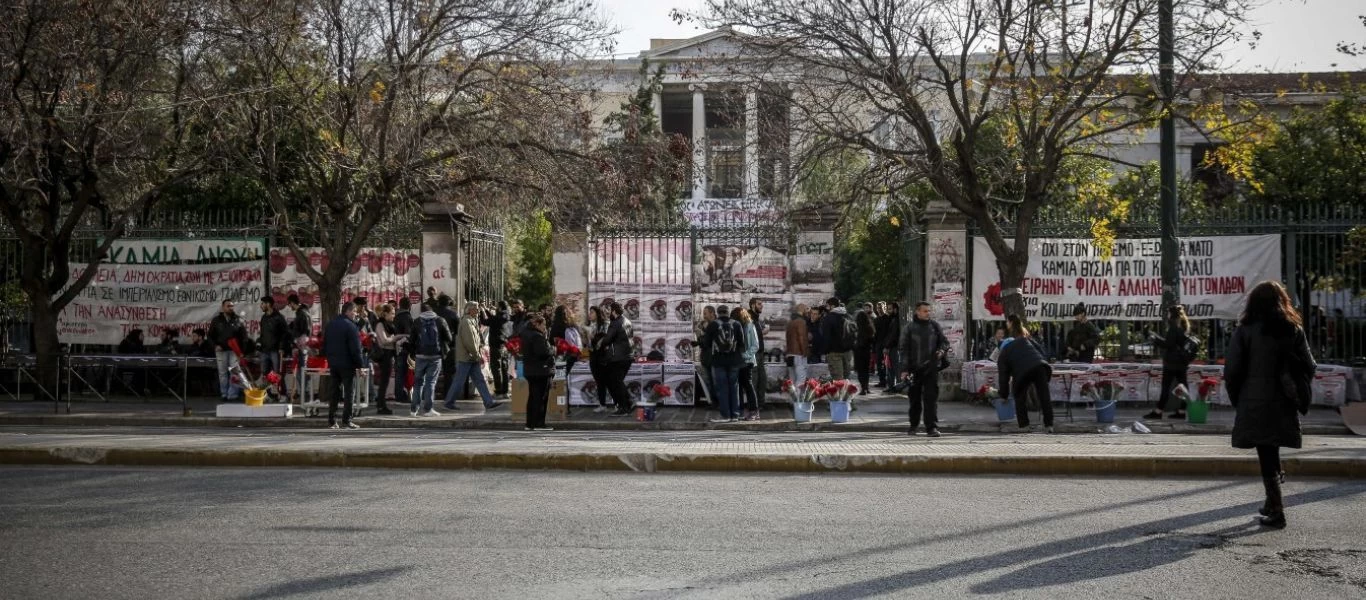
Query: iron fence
x=1329, y=290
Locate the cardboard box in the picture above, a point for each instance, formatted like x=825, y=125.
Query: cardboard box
x=556, y=408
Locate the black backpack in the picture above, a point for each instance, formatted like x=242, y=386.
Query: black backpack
x=725, y=338
x=428, y=337
x=848, y=334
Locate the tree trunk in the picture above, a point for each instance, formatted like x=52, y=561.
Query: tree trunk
x=1012, y=268
x=46, y=345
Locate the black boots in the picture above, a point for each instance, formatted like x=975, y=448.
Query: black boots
x=1273, y=512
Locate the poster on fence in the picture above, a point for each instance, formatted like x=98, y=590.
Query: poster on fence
x=378, y=274
x=153, y=298
x=1216, y=275
x=742, y=269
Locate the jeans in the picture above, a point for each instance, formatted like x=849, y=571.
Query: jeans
x=1037, y=380
x=226, y=388
x=343, y=389
x=727, y=380
x=798, y=369
x=425, y=373
x=274, y=362
x=468, y=371
x=401, y=390
x=538, y=395
x=840, y=363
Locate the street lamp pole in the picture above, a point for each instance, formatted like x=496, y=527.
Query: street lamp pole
x=1171, y=279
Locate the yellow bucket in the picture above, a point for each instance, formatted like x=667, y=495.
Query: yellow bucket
x=255, y=397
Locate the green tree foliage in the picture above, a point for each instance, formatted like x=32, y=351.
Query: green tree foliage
x=533, y=251
x=1317, y=157
x=870, y=258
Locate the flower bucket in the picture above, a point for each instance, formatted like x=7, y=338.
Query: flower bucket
x=1105, y=411
x=520, y=374
x=839, y=411
x=801, y=411
x=255, y=396
x=1197, y=412
x=1005, y=409
x=645, y=414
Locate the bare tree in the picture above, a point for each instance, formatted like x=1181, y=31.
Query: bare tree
x=94, y=127
x=372, y=107
x=985, y=100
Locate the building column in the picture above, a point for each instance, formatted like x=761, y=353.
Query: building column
x=752, y=144
x=699, y=141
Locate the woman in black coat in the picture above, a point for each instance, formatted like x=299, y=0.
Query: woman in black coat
x=1267, y=371
x=1021, y=362
x=538, y=366
x=1176, y=361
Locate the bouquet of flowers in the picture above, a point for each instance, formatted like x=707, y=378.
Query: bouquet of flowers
x=316, y=345
x=1208, y=387
x=514, y=346
x=991, y=394
x=564, y=348
x=659, y=392
x=1102, y=391
x=240, y=379
x=804, y=392
x=366, y=340
x=840, y=390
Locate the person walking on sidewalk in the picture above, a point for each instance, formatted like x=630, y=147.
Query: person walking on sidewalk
x=727, y=341
x=273, y=343
x=619, y=359
x=469, y=360
x=841, y=335
x=863, y=349
x=923, y=346
x=538, y=365
x=431, y=342
x=798, y=344
x=1021, y=367
x=1176, y=359
x=225, y=328
x=341, y=346
x=1268, y=370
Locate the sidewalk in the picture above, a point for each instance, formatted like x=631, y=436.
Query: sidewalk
x=877, y=413
x=650, y=452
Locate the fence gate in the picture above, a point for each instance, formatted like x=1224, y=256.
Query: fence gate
x=485, y=266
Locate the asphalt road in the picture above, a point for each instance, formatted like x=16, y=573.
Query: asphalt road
x=103, y=532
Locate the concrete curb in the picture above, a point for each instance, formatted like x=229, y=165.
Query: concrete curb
x=571, y=425
x=1121, y=466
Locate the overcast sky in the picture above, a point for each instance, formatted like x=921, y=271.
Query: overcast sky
x=1297, y=35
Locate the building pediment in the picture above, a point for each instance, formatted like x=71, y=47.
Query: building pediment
x=715, y=44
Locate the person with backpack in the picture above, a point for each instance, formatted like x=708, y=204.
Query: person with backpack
x=1021, y=367
x=617, y=363
x=923, y=349
x=431, y=342
x=863, y=350
x=1177, y=353
x=1268, y=373
x=726, y=338
x=841, y=335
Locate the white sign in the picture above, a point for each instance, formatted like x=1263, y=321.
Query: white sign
x=152, y=298
x=1216, y=275
x=169, y=252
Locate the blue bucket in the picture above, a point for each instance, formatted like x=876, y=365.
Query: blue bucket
x=1005, y=409
x=801, y=411
x=1105, y=411
x=520, y=375
x=839, y=411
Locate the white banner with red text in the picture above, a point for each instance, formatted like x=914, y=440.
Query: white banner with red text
x=1217, y=273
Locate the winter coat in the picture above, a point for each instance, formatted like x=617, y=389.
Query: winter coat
x=751, y=352
x=919, y=342
x=867, y=330
x=469, y=345
x=1082, y=341
x=832, y=330
x=1019, y=357
x=597, y=342
x=798, y=343
x=1173, y=353
x=302, y=325
x=403, y=328
x=618, y=341
x=887, y=328
x=341, y=345
x=1265, y=414
x=538, y=357
x=725, y=359
x=222, y=329
x=274, y=333
x=500, y=328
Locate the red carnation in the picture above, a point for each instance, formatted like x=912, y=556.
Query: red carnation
x=992, y=299
x=273, y=378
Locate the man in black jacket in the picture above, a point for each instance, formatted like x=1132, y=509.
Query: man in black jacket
x=923, y=346
x=300, y=330
x=341, y=346
x=273, y=342
x=838, y=350
x=226, y=327
x=883, y=325
x=726, y=338
x=619, y=358
x=499, y=323
x=452, y=319
x=756, y=314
